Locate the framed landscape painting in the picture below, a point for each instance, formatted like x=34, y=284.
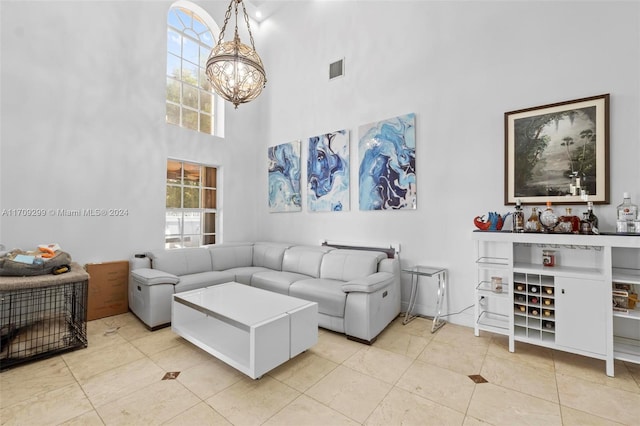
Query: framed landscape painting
x=558, y=152
x=284, y=178
x=328, y=172
x=387, y=173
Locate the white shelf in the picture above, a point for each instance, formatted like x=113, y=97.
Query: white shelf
x=582, y=277
x=484, y=287
x=633, y=314
x=571, y=271
x=493, y=322
x=626, y=275
x=626, y=349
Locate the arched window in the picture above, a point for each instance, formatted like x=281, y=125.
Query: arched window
x=191, y=102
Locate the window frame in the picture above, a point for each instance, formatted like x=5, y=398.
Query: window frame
x=177, y=86
x=204, y=235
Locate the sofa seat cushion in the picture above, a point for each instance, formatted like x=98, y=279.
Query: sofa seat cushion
x=243, y=274
x=202, y=279
x=326, y=292
x=277, y=281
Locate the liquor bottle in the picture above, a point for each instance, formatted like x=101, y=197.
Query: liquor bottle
x=548, y=290
x=592, y=218
x=533, y=223
x=627, y=210
x=569, y=223
x=533, y=289
x=585, y=224
x=533, y=300
x=548, y=218
x=627, y=214
x=518, y=218
x=547, y=302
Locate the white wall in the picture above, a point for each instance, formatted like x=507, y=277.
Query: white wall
x=83, y=107
x=82, y=115
x=459, y=66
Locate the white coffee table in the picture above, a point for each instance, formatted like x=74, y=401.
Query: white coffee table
x=251, y=329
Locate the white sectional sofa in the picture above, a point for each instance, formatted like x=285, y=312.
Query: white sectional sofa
x=357, y=291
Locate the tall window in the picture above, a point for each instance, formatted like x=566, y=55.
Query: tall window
x=190, y=98
x=191, y=204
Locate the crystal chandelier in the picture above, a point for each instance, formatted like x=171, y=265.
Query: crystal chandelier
x=234, y=69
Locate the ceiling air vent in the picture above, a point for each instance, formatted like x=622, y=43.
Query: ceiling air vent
x=336, y=69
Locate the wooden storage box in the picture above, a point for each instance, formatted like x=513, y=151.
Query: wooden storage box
x=108, y=289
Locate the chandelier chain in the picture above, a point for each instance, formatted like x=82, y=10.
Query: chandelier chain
x=227, y=16
x=246, y=18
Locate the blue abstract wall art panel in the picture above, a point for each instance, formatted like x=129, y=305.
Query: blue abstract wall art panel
x=328, y=172
x=284, y=178
x=387, y=172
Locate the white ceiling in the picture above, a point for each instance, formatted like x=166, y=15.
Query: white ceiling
x=266, y=8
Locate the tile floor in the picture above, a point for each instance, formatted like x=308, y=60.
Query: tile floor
x=408, y=377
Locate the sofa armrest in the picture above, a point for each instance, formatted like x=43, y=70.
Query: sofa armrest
x=369, y=284
x=148, y=276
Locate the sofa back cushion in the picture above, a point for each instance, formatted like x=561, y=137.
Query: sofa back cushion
x=231, y=255
x=347, y=265
x=269, y=255
x=181, y=261
x=304, y=260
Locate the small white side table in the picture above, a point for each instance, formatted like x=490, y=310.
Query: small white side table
x=426, y=271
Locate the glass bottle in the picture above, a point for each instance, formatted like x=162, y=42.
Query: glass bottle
x=585, y=224
x=627, y=214
x=533, y=224
x=627, y=210
x=548, y=218
x=518, y=218
x=569, y=223
x=592, y=217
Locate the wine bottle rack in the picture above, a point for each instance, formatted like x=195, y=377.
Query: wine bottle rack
x=534, y=307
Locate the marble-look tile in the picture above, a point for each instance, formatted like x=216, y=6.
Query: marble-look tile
x=309, y=412
x=594, y=370
x=30, y=380
x=181, y=357
x=500, y=406
x=600, y=400
x=401, y=343
x=472, y=421
x=90, y=418
x=303, y=371
x=157, y=341
x=416, y=327
x=200, y=414
x=401, y=407
x=520, y=377
x=53, y=407
x=210, y=377
x=128, y=326
x=536, y=356
x=83, y=363
x=571, y=417
x=350, y=392
x=121, y=381
x=444, y=355
x=100, y=334
x=634, y=370
x=252, y=402
x=461, y=337
x=379, y=363
x=437, y=384
x=335, y=347
x=153, y=404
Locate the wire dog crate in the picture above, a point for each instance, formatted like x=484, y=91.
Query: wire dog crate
x=42, y=316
